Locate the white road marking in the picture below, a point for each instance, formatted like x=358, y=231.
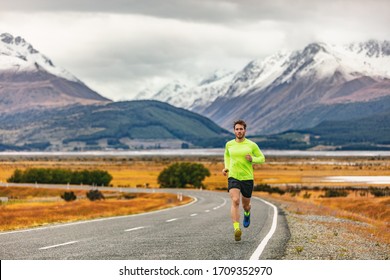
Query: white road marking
x=259, y=250
x=221, y=205
x=58, y=245
x=132, y=229
x=193, y=215
x=100, y=219
x=171, y=220
x=207, y=211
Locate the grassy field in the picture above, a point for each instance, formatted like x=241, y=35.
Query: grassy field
x=278, y=171
x=374, y=212
x=131, y=172
x=30, y=207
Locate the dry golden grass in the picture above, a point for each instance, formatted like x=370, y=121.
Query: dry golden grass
x=141, y=171
x=373, y=211
x=24, y=213
x=29, y=193
x=132, y=172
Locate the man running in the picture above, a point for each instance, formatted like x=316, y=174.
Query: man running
x=240, y=155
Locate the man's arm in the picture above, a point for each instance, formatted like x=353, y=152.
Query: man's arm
x=258, y=156
x=226, y=158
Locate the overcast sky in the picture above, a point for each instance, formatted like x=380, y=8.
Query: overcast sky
x=120, y=47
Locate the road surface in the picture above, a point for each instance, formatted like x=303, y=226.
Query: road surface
x=201, y=230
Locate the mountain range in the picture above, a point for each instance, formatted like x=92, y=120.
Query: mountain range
x=44, y=107
x=294, y=89
x=28, y=79
x=322, y=96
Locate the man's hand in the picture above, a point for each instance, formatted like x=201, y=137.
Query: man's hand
x=225, y=171
x=248, y=157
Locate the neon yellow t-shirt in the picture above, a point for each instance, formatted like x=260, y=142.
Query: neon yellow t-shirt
x=239, y=167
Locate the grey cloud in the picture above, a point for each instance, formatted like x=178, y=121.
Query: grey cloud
x=184, y=37
x=209, y=10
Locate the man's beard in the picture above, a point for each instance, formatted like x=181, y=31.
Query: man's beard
x=240, y=136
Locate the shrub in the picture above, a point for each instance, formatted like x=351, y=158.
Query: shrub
x=335, y=193
x=61, y=176
x=267, y=188
x=68, y=196
x=306, y=195
x=378, y=192
x=95, y=195
x=179, y=175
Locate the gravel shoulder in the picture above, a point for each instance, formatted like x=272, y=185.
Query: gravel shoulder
x=324, y=237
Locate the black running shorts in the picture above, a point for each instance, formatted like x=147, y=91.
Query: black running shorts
x=245, y=186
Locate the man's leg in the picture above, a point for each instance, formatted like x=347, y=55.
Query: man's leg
x=235, y=206
x=246, y=204
x=235, y=212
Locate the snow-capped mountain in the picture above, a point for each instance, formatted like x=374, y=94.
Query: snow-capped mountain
x=296, y=89
x=18, y=55
x=191, y=95
x=29, y=79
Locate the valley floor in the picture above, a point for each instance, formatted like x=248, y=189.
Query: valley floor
x=352, y=227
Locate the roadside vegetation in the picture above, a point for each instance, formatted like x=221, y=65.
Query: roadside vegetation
x=183, y=174
x=292, y=181
x=32, y=207
x=61, y=176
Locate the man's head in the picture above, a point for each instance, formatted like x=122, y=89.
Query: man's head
x=239, y=129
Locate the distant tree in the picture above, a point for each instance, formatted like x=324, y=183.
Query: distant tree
x=17, y=177
x=180, y=175
x=61, y=176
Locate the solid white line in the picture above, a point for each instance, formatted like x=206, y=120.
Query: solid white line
x=171, y=220
x=58, y=245
x=136, y=228
x=257, y=253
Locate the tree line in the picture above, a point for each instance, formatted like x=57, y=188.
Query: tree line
x=61, y=176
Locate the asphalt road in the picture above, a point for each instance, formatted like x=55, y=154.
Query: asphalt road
x=201, y=230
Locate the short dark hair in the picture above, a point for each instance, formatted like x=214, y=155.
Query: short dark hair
x=241, y=122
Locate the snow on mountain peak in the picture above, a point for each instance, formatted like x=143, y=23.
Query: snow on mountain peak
x=18, y=55
x=189, y=94
x=371, y=48
x=215, y=76
x=316, y=61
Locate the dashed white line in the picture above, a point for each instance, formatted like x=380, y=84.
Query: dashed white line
x=132, y=229
x=171, y=220
x=207, y=211
x=100, y=219
x=58, y=245
x=193, y=215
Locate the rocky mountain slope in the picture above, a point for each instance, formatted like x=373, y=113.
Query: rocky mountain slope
x=44, y=107
x=296, y=89
x=30, y=80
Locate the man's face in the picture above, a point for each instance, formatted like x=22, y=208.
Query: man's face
x=239, y=131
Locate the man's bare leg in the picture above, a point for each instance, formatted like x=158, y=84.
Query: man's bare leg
x=235, y=212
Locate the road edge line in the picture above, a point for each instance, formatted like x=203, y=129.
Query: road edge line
x=259, y=250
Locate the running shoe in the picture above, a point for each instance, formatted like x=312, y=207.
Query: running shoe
x=247, y=220
x=237, y=234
